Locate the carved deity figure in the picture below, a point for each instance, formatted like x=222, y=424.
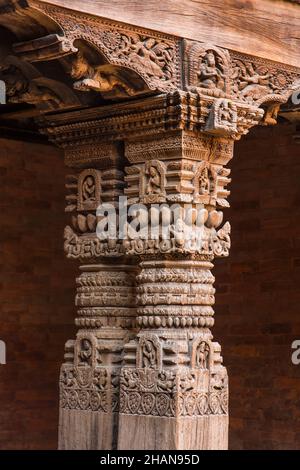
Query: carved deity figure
x=89, y=189
x=149, y=354
x=204, y=182
x=202, y=355
x=250, y=82
x=226, y=113
x=211, y=74
x=180, y=232
x=154, y=181
x=144, y=56
x=86, y=352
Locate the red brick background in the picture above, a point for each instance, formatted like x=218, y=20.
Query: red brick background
x=258, y=295
x=36, y=293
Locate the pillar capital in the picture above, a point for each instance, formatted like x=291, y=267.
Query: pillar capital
x=100, y=61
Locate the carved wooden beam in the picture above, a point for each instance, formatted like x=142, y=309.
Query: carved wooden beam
x=132, y=61
x=46, y=48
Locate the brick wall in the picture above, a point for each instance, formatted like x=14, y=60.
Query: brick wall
x=258, y=294
x=36, y=293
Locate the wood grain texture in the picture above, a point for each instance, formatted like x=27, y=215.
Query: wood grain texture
x=265, y=28
x=86, y=430
x=183, y=433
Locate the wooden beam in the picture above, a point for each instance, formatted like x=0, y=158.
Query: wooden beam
x=264, y=28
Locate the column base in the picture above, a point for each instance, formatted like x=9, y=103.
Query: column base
x=162, y=433
x=87, y=430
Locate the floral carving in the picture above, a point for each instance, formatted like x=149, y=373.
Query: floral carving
x=182, y=398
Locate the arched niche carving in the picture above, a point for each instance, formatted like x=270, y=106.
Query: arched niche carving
x=208, y=68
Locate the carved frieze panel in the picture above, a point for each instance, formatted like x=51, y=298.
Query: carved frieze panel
x=217, y=72
x=87, y=388
x=255, y=80
x=171, y=393
x=153, y=56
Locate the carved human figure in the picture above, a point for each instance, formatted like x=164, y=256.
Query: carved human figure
x=210, y=74
x=149, y=354
x=154, y=181
x=202, y=355
x=85, y=353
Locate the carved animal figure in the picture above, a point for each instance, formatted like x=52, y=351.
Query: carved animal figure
x=95, y=78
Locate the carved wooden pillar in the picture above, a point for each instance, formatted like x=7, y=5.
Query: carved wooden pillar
x=89, y=381
x=174, y=388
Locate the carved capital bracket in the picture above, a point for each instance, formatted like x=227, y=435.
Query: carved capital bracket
x=120, y=61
